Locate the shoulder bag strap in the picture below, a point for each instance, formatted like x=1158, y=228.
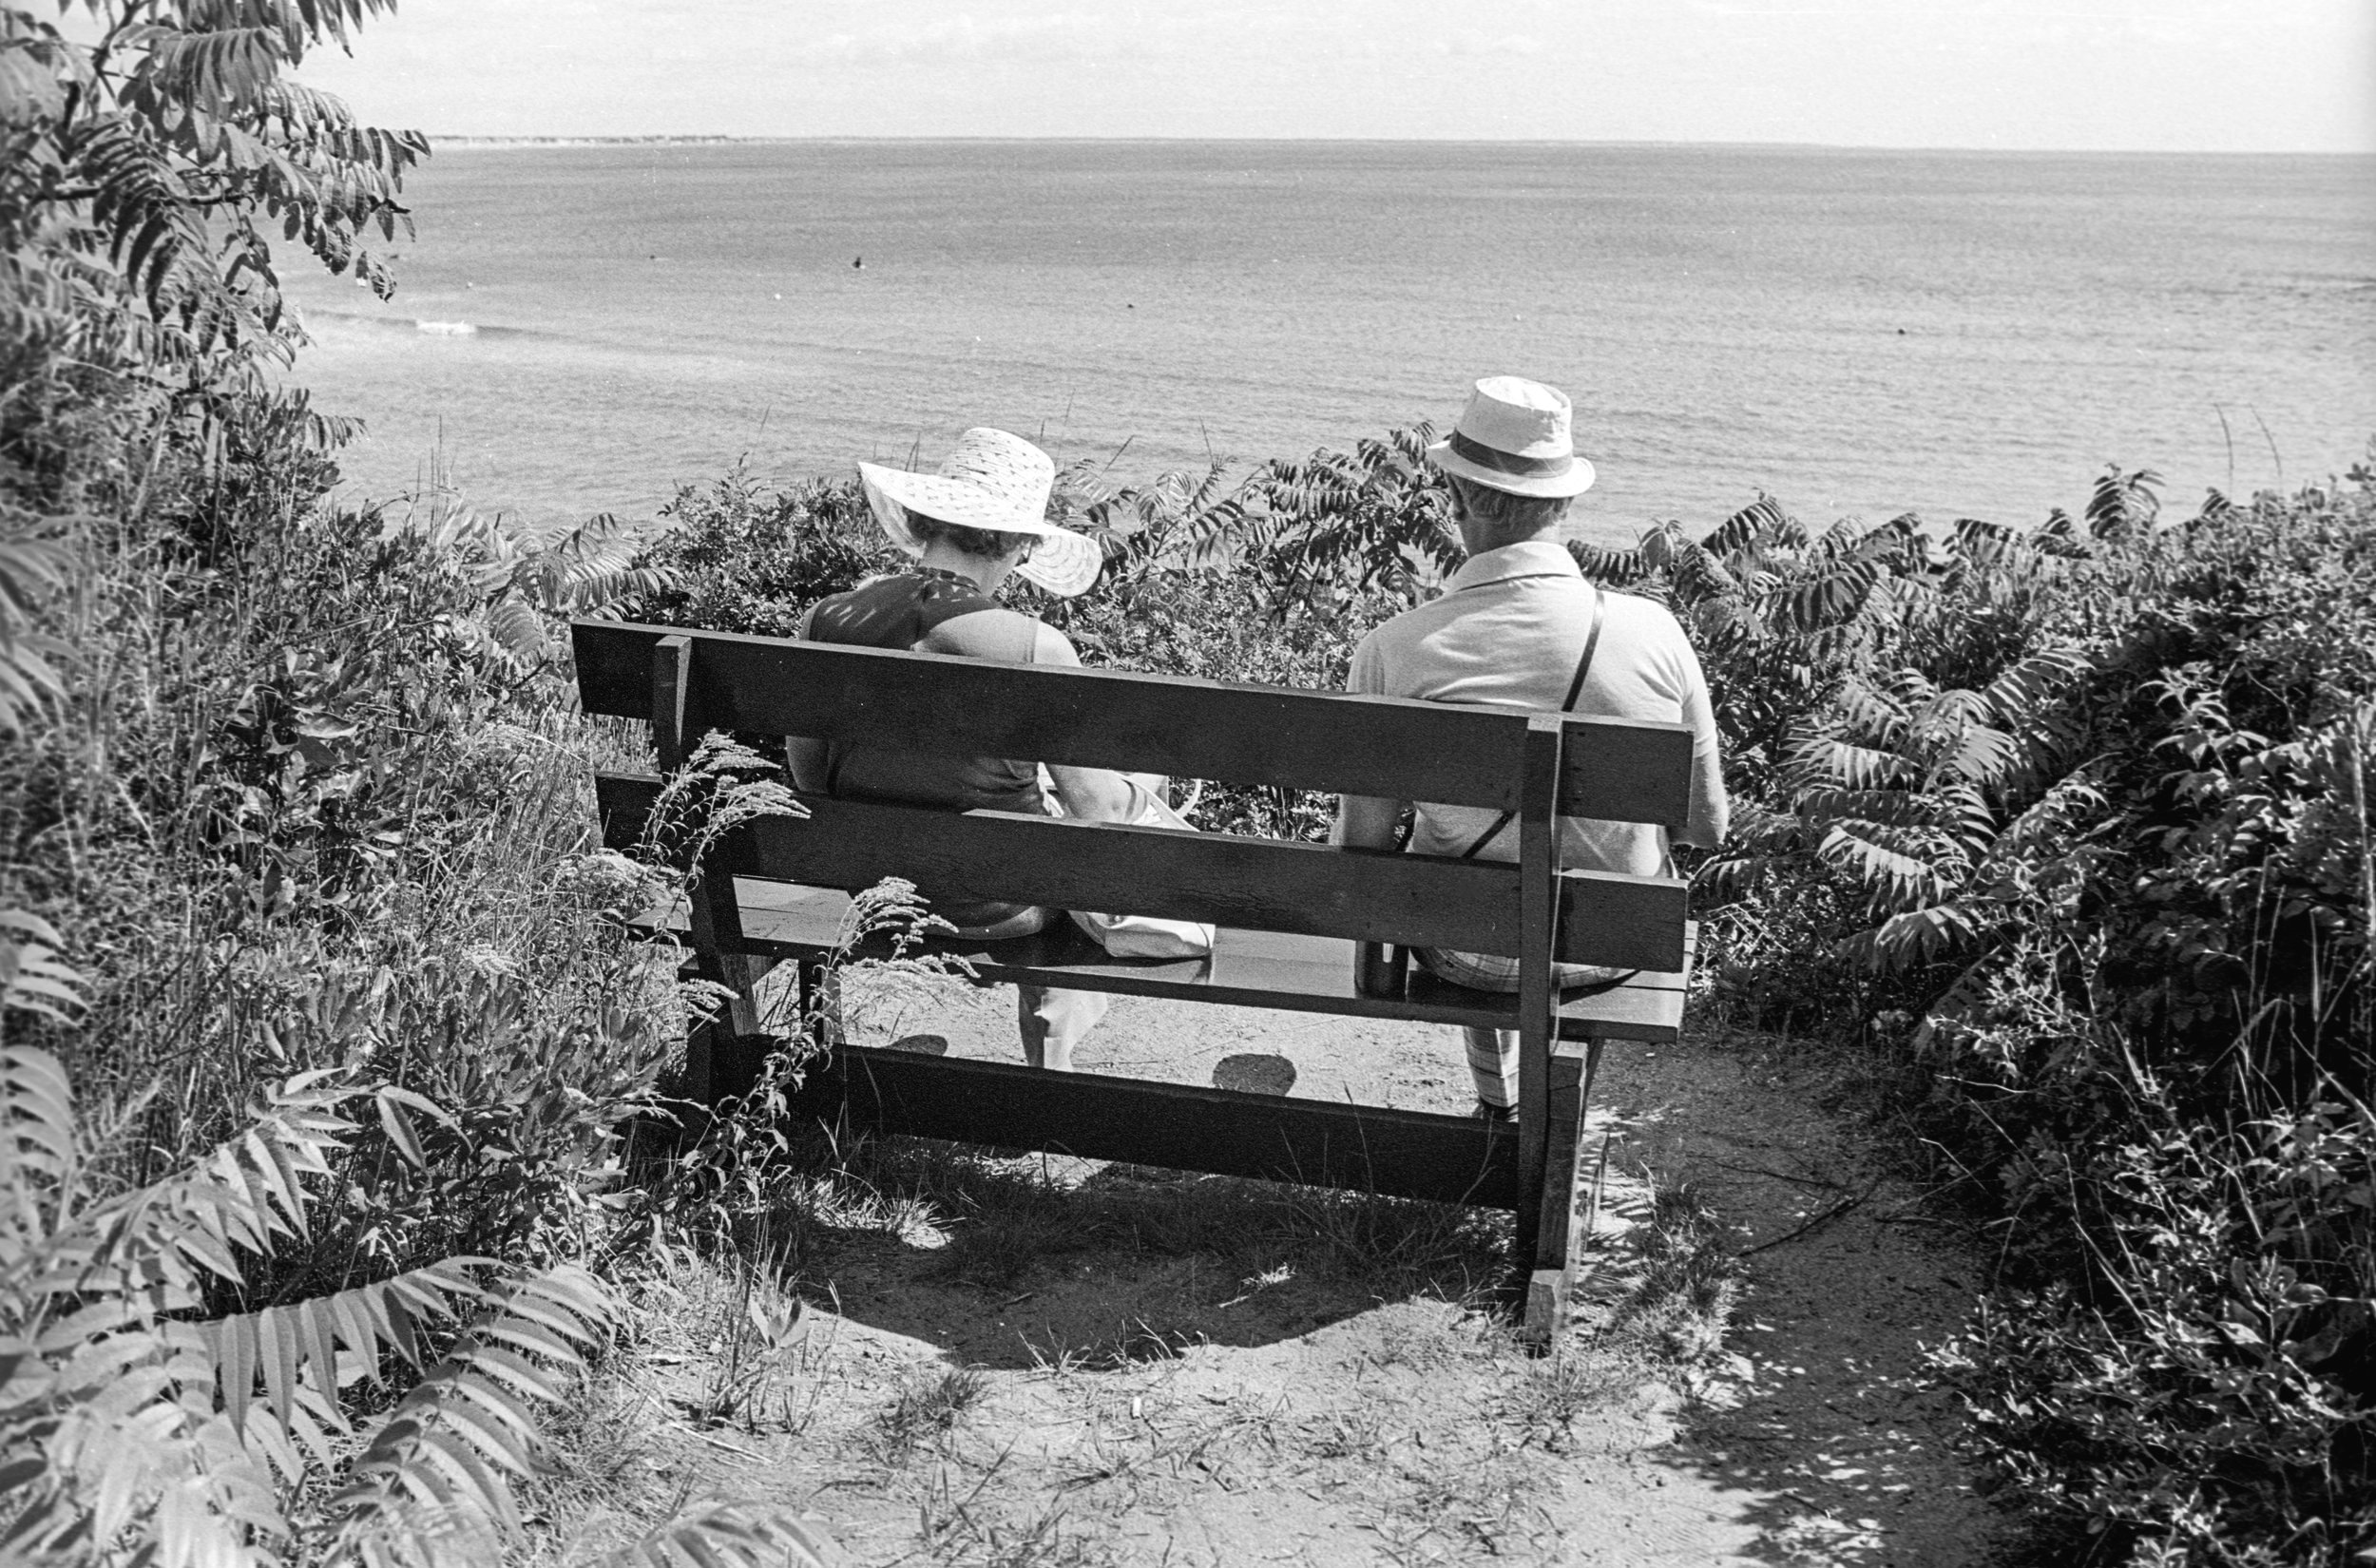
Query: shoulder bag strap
x=1575, y=688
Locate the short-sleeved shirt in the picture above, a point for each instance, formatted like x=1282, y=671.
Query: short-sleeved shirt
x=1508, y=632
x=932, y=612
x=940, y=612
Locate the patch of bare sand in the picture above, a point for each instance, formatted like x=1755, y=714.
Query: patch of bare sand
x=1269, y=1403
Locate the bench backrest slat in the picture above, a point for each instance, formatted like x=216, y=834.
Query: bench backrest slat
x=1259, y=884
x=1167, y=724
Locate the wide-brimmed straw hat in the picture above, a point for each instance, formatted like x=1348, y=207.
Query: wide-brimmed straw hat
x=991, y=480
x=1515, y=436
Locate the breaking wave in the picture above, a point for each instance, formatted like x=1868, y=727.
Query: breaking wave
x=421, y=327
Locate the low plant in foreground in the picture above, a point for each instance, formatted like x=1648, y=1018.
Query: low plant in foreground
x=131, y=1423
x=2076, y=822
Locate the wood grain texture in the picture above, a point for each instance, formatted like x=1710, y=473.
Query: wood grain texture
x=1552, y=1266
x=1538, y=891
x=1404, y=1153
x=1571, y=1098
x=1266, y=884
x=714, y=918
x=1167, y=724
x=1417, y=901
x=1246, y=969
x=1631, y=921
x=1638, y=772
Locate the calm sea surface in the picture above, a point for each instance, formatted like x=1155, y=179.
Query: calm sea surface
x=582, y=329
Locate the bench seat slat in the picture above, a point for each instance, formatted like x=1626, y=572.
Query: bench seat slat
x=1419, y=901
x=1621, y=770
x=1248, y=969
x=1404, y=1153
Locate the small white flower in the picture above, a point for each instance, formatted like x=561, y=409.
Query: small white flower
x=483, y=958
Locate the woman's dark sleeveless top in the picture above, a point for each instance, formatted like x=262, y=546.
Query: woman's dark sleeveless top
x=932, y=612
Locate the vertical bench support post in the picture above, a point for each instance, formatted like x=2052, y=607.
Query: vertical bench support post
x=1559, y=1238
x=1538, y=865
x=718, y=1062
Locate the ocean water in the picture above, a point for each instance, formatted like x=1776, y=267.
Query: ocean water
x=582, y=329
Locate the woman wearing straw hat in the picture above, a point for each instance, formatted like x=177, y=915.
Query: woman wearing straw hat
x=982, y=518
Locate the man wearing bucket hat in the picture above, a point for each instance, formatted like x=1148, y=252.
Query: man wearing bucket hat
x=982, y=517
x=1518, y=625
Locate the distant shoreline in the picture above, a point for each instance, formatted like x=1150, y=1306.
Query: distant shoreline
x=1843, y=149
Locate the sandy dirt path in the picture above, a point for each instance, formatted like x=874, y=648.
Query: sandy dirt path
x=1168, y=1410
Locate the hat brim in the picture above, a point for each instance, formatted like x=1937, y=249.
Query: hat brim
x=1063, y=563
x=1575, y=480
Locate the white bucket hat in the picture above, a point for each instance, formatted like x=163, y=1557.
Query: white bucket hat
x=1515, y=436
x=991, y=480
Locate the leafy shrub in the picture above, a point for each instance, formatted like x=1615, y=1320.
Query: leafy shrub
x=740, y=560
x=2078, y=818
x=124, y=1415
x=132, y=1429
x=291, y=795
x=155, y=150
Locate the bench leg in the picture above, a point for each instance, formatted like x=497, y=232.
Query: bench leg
x=1559, y=1224
x=725, y=1052
x=744, y=973
x=821, y=1000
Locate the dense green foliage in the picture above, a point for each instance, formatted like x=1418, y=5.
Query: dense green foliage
x=2074, y=822
x=2069, y=825
x=298, y=887
x=146, y=156
x=144, y=1412
x=2071, y=822
x=310, y=798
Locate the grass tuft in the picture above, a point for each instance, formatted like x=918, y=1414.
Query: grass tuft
x=931, y=1405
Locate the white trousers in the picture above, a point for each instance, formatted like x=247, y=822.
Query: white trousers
x=1050, y=1021
x=1053, y=1022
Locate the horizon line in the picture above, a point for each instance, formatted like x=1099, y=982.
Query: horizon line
x=717, y=138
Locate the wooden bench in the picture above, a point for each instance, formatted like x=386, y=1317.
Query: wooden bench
x=1303, y=926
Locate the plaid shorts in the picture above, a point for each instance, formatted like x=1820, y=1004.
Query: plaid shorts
x=1492, y=972
x=1493, y=1053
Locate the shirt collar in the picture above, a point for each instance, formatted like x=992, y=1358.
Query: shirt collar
x=1528, y=558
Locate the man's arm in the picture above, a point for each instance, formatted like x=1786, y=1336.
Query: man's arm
x=1711, y=812
x=1367, y=821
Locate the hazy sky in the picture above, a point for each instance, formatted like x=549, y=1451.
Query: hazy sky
x=2245, y=75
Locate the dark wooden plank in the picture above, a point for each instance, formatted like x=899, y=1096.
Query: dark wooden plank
x=1418, y=901
x=1539, y=890
x=623, y=806
x=1558, y=1244
x=1631, y=921
x=716, y=920
x=1268, y=884
x=1626, y=773
x=1404, y=1153
x=1247, y=969
x=1167, y=724
x=671, y=662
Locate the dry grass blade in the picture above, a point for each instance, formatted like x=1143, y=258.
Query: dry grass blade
x=730, y=1535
